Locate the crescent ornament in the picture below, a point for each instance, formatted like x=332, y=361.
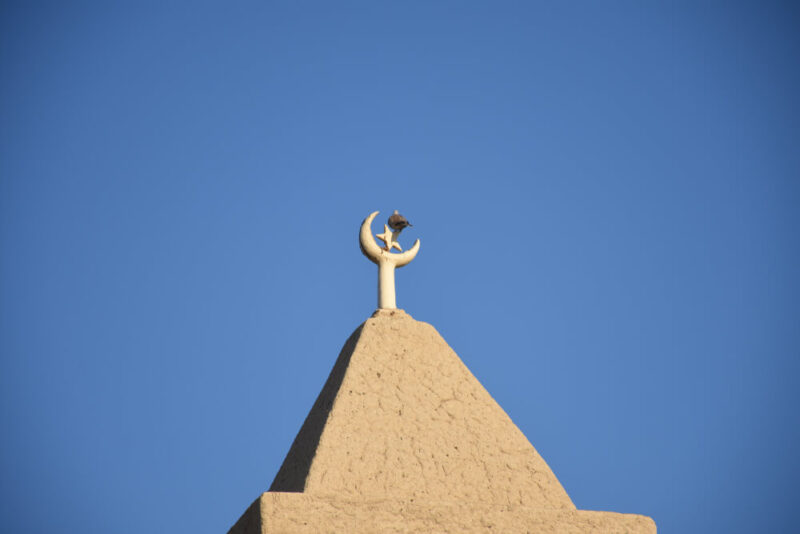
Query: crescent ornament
x=385, y=259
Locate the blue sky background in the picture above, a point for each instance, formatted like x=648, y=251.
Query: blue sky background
x=181, y=186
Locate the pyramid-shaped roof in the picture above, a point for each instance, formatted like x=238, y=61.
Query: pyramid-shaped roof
x=402, y=417
x=403, y=438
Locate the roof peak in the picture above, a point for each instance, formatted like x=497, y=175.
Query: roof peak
x=401, y=416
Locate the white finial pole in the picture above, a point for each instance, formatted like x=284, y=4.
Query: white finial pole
x=387, y=299
x=385, y=260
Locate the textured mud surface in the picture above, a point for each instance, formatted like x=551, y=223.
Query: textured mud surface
x=403, y=438
x=305, y=514
x=402, y=416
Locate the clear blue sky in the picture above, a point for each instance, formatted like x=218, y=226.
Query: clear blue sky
x=181, y=186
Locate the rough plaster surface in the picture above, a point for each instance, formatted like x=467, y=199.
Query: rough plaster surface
x=305, y=514
x=401, y=416
x=404, y=438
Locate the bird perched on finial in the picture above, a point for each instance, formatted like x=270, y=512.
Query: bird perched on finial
x=397, y=222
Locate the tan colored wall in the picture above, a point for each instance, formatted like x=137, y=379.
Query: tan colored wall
x=403, y=438
x=401, y=416
x=305, y=514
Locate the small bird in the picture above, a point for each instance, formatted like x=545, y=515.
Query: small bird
x=397, y=222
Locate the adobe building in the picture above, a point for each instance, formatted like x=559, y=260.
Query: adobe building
x=403, y=438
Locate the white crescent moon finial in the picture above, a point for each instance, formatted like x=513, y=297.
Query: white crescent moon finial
x=368, y=245
x=404, y=258
x=386, y=260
